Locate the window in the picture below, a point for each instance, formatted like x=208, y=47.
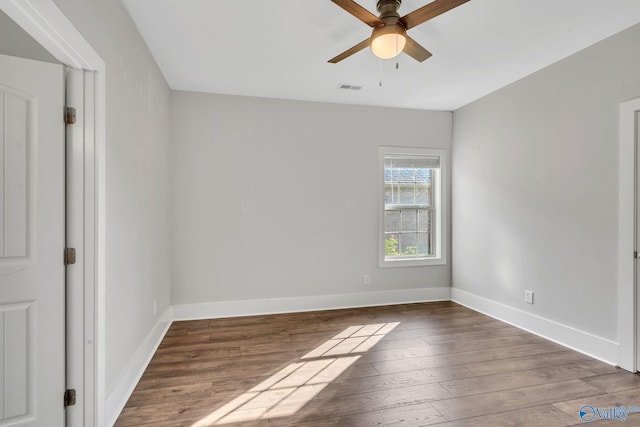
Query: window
x=412, y=206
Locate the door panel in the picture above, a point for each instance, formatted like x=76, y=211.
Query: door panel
x=17, y=178
x=17, y=364
x=31, y=243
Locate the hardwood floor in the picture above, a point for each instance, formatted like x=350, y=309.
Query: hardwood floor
x=410, y=365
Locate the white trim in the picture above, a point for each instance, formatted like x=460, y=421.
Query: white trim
x=575, y=339
x=89, y=252
x=126, y=383
x=212, y=310
x=45, y=22
x=627, y=310
x=76, y=342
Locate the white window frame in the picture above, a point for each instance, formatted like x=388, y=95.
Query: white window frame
x=439, y=202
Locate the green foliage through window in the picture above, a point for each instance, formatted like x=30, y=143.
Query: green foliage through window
x=410, y=250
x=391, y=246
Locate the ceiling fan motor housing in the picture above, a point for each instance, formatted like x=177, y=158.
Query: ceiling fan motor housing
x=390, y=18
x=391, y=30
x=389, y=27
x=388, y=8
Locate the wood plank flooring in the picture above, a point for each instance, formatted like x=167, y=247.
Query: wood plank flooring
x=406, y=365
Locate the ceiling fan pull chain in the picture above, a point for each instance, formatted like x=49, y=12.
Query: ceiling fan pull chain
x=380, y=72
x=397, y=65
x=397, y=52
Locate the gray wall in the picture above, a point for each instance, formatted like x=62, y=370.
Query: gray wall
x=278, y=198
x=535, y=187
x=15, y=42
x=137, y=174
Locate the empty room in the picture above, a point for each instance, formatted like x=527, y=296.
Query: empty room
x=320, y=213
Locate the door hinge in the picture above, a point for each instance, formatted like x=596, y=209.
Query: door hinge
x=69, y=115
x=635, y=254
x=69, y=256
x=69, y=397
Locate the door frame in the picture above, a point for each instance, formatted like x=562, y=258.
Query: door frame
x=47, y=24
x=628, y=229
x=80, y=347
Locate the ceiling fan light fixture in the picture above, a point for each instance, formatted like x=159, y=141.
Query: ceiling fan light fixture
x=388, y=41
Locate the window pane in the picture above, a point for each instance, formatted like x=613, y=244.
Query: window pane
x=423, y=194
x=408, y=244
x=424, y=244
x=391, y=247
x=392, y=221
x=423, y=175
x=408, y=186
x=407, y=196
x=391, y=193
x=409, y=219
x=424, y=220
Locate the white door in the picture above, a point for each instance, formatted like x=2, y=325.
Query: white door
x=32, y=342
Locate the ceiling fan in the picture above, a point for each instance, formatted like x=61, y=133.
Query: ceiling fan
x=389, y=36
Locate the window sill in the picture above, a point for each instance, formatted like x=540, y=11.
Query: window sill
x=414, y=262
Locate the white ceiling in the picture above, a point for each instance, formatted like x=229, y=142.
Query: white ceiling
x=280, y=48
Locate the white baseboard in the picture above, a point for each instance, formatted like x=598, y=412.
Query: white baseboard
x=575, y=339
x=120, y=393
x=211, y=310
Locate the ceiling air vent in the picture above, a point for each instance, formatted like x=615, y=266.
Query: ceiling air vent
x=349, y=87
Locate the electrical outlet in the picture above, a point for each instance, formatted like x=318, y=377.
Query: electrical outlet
x=366, y=280
x=528, y=297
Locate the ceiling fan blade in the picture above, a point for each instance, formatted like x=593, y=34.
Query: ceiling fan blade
x=415, y=50
x=359, y=12
x=347, y=53
x=429, y=11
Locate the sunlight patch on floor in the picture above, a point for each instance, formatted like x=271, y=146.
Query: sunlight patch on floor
x=288, y=390
x=354, y=339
